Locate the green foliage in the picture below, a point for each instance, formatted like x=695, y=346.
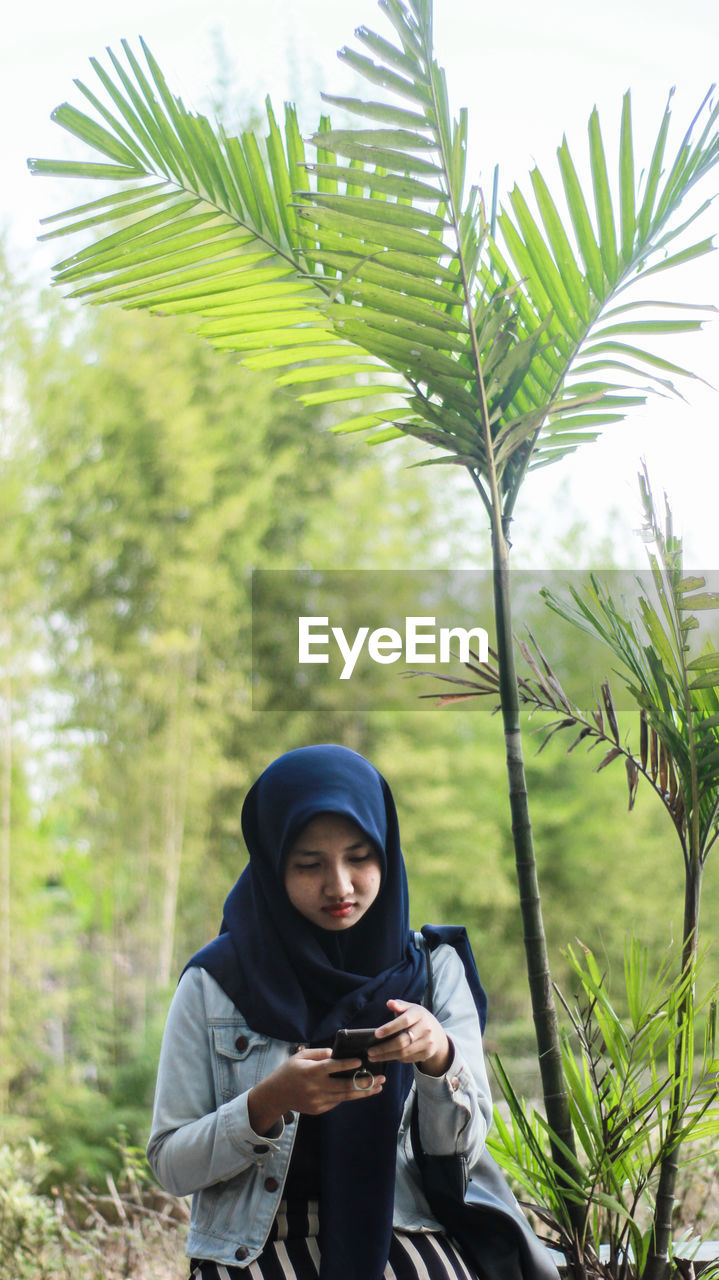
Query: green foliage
x=131, y=1230
x=381, y=269
x=30, y=1231
x=622, y=1086
x=674, y=686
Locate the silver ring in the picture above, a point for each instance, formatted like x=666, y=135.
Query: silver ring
x=409, y=1033
x=363, y=1074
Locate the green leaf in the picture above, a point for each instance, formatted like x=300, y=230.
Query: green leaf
x=299, y=354
x=132, y=111
x=649, y=327
x=707, y=661
x=387, y=183
x=390, y=433
x=173, y=205
x=398, y=161
x=423, y=361
x=260, y=185
x=543, y=266
x=82, y=169
x=321, y=373
x=153, y=237
x=397, y=283
x=386, y=113
x=581, y=222
x=374, y=235
x=386, y=212
x=338, y=394
x=162, y=137
x=220, y=276
x=81, y=126
x=179, y=250
x=395, y=303
x=705, y=600
x=654, y=174
x=602, y=200
x=282, y=193
x=678, y=259
x=157, y=191
x=440, y=338
x=396, y=140
x=710, y=680
x=646, y=357
x=385, y=78
x=626, y=181
x=406, y=63
x=561, y=248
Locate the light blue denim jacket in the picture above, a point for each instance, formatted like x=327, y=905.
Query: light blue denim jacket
x=202, y=1141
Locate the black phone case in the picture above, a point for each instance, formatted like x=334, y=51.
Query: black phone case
x=353, y=1042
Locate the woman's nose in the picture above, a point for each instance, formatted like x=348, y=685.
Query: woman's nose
x=338, y=881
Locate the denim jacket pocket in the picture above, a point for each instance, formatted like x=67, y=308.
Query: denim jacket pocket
x=239, y=1056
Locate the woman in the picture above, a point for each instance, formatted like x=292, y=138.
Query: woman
x=297, y=1170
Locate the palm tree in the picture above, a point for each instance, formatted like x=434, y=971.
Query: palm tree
x=675, y=686
x=370, y=276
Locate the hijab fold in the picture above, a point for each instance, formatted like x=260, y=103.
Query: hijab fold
x=299, y=983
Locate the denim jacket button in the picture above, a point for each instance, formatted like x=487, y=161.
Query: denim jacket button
x=289, y=1117
x=241, y=1043
x=271, y=1184
x=261, y=1149
x=241, y=1253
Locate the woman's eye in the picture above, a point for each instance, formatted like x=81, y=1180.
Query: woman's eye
x=305, y=866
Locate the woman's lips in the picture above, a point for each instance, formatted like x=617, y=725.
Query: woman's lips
x=339, y=909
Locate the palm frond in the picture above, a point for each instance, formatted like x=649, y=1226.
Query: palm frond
x=573, y=271
x=371, y=263
x=204, y=224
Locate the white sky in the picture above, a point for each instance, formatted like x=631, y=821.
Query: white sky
x=527, y=71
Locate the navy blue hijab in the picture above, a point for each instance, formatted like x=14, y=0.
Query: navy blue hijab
x=297, y=982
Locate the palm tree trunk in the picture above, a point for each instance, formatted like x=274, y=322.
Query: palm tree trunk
x=544, y=1009
x=657, y=1264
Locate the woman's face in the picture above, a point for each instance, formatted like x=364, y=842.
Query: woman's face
x=332, y=872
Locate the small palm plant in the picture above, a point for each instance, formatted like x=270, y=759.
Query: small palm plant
x=369, y=277
x=633, y=1099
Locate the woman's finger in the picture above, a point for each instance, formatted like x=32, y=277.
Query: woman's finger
x=404, y=1019
x=408, y=1043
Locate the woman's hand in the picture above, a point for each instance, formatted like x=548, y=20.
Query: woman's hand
x=305, y=1083
x=419, y=1038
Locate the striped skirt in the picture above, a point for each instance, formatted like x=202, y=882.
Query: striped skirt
x=292, y=1253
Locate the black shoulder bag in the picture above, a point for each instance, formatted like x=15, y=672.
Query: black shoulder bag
x=478, y=1209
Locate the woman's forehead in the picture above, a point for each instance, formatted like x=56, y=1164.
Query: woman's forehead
x=330, y=828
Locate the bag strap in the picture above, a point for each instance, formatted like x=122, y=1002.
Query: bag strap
x=428, y=997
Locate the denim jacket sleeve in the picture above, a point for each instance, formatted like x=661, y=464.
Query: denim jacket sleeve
x=455, y=1109
x=195, y=1142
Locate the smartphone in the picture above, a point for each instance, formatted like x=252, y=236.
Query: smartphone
x=353, y=1042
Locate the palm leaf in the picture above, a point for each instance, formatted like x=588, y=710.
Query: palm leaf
x=489, y=349
x=677, y=692
x=205, y=225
